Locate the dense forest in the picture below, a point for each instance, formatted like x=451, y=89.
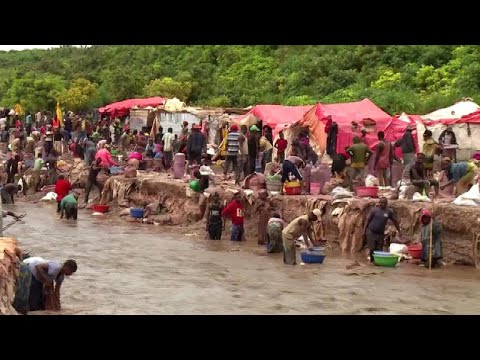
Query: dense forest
x=415, y=79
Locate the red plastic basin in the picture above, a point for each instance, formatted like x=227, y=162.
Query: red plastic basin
x=293, y=190
x=100, y=208
x=367, y=191
x=415, y=251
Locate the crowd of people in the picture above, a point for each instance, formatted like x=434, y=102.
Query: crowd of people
x=36, y=142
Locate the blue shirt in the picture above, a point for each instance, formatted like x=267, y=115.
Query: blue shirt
x=456, y=171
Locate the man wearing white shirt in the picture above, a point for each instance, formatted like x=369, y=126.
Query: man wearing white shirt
x=167, y=147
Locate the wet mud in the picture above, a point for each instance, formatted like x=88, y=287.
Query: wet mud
x=130, y=268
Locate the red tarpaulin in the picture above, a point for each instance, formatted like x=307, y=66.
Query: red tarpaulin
x=397, y=127
x=278, y=117
x=343, y=114
x=473, y=118
x=122, y=108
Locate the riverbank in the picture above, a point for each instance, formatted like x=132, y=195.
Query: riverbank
x=130, y=269
x=340, y=228
x=8, y=274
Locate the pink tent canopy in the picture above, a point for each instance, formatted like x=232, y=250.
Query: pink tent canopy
x=344, y=114
x=397, y=127
x=122, y=108
x=278, y=117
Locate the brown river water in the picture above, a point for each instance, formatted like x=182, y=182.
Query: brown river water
x=127, y=268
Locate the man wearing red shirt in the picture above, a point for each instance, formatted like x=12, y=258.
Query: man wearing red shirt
x=281, y=146
x=62, y=188
x=234, y=211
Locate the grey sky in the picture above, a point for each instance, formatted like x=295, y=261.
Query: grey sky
x=23, y=47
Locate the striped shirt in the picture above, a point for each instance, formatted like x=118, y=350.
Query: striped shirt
x=233, y=145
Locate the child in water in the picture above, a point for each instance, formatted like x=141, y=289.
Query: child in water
x=214, y=225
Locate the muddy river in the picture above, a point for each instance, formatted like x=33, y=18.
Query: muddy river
x=142, y=269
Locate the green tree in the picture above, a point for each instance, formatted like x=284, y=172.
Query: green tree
x=79, y=96
x=169, y=88
x=35, y=91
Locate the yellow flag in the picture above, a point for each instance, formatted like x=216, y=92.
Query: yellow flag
x=19, y=109
x=59, y=114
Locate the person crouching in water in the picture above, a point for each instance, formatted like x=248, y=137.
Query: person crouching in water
x=375, y=225
x=235, y=211
x=436, y=231
x=301, y=226
x=213, y=214
x=35, y=288
x=62, y=188
x=274, y=234
x=69, y=206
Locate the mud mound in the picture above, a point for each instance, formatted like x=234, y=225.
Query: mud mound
x=341, y=224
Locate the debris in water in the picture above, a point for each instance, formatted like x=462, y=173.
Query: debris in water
x=352, y=265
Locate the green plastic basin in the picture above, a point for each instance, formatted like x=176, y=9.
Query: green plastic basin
x=388, y=261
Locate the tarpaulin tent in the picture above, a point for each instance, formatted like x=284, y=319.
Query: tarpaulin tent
x=465, y=124
x=397, y=127
x=122, y=108
x=344, y=114
x=278, y=117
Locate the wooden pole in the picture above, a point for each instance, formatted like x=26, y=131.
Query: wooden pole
x=430, y=253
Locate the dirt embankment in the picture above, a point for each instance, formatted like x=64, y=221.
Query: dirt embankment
x=341, y=225
x=8, y=274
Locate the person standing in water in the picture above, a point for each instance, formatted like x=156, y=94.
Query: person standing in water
x=262, y=210
x=375, y=225
x=301, y=226
x=428, y=224
x=95, y=168
x=214, y=224
x=235, y=211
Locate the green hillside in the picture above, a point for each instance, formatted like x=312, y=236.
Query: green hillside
x=415, y=79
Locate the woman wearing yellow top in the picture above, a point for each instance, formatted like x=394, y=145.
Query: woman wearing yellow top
x=430, y=148
x=267, y=148
x=460, y=174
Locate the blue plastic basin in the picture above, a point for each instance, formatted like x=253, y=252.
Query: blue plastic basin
x=137, y=213
x=382, y=253
x=312, y=257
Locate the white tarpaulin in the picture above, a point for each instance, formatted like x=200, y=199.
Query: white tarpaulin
x=468, y=136
x=470, y=198
x=175, y=120
x=455, y=111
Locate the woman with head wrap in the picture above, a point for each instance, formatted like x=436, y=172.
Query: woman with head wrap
x=262, y=210
x=433, y=227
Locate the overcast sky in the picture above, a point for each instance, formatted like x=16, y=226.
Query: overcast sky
x=23, y=47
